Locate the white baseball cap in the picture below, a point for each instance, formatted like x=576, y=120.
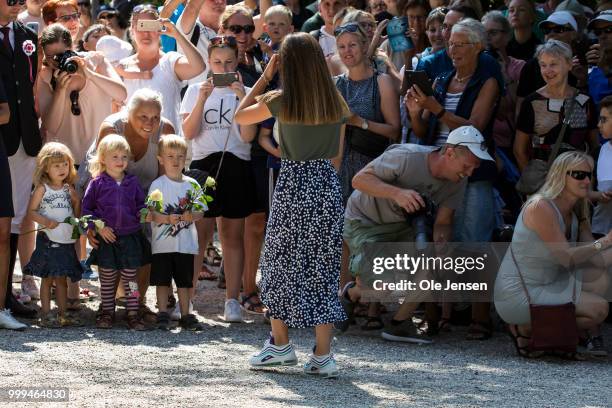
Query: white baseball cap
x=560, y=18
x=603, y=16
x=113, y=48
x=471, y=138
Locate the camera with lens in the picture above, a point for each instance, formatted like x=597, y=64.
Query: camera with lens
x=422, y=222
x=64, y=63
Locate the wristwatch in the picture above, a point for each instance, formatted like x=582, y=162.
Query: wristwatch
x=364, y=124
x=597, y=245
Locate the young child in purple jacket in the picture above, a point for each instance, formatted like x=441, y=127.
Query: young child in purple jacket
x=116, y=198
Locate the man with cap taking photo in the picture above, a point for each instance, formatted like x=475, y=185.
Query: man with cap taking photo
x=393, y=186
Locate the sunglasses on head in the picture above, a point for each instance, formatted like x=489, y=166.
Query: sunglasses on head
x=600, y=31
x=69, y=17
x=144, y=8
x=580, y=174
x=347, y=28
x=237, y=29
x=556, y=29
x=221, y=41
x=11, y=3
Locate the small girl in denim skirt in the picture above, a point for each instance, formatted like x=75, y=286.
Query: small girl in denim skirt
x=54, y=259
x=116, y=198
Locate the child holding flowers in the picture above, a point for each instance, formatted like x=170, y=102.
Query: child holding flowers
x=52, y=202
x=172, y=201
x=116, y=198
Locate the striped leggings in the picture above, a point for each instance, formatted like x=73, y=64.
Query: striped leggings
x=108, y=282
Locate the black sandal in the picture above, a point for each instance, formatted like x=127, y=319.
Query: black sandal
x=523, y=351
x=373, y=323
x=253, y=307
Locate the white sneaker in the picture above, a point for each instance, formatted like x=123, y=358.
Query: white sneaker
x=29, y=287
x=323, y=366
x=273, y=355
x=176, y=313
x=233, y=312
x=7, y=321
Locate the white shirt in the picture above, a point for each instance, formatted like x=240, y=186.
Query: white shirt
x=11, y=35
x=164, y=81
x=181, y=237
x=56, y=206
x=327, y=43
x=206, y=34
x=217, y=123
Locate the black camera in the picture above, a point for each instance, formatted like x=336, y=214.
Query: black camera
x=422, y=222
x=64, y=63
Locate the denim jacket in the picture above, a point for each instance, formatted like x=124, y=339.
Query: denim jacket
x=118, y=205
x=487, y=68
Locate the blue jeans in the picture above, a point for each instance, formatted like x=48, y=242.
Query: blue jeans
x=475, y=219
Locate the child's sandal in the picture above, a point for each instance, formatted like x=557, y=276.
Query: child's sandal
x=135, y=323
x=104, y=321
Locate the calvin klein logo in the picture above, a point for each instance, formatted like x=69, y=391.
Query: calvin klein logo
x=217, y=116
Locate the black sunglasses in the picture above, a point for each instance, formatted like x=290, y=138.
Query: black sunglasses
x=11, y=3
x=237, y=29
x=600, y=31
x=347, y=28
x=580, y=174
x=556, y=29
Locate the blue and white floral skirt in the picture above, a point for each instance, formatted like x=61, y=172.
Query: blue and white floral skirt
x=300, y=265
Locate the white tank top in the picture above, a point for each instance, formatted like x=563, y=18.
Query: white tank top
x=56, y=206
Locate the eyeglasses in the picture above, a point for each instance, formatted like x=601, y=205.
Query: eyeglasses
x=11, y=3
x=459, y=45
x=75, y=109
x=223, y=41
x=348, y=28
x=107, y=16
x=483, y=145
x=580, y=174
x=556, y=29
x=69, y=17
x=237, y=29
x=600, y=31
x=494, y=32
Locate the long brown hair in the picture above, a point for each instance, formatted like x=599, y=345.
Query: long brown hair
x=309, y=95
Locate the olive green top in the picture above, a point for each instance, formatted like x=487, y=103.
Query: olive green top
x=306, y=142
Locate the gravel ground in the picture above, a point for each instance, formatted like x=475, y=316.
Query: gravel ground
x=141, y=369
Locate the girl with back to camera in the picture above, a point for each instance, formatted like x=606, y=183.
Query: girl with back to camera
x=299, y=284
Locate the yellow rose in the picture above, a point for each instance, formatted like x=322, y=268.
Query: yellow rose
x=99, y=225
x=210, y=182
x=156, y=195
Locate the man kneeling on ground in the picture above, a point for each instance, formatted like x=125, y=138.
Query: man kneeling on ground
x=394, y=183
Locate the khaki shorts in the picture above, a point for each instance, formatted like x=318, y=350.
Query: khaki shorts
x=357, y=233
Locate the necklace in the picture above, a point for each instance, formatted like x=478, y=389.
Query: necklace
x=460, y=80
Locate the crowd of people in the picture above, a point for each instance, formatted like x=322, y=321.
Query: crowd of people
x=131, y=132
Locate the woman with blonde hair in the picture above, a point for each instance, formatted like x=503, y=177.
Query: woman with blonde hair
x=299, y=284
x=552, y=234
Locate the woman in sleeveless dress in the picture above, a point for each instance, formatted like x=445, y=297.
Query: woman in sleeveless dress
x=548, y=228
x=300, y=265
